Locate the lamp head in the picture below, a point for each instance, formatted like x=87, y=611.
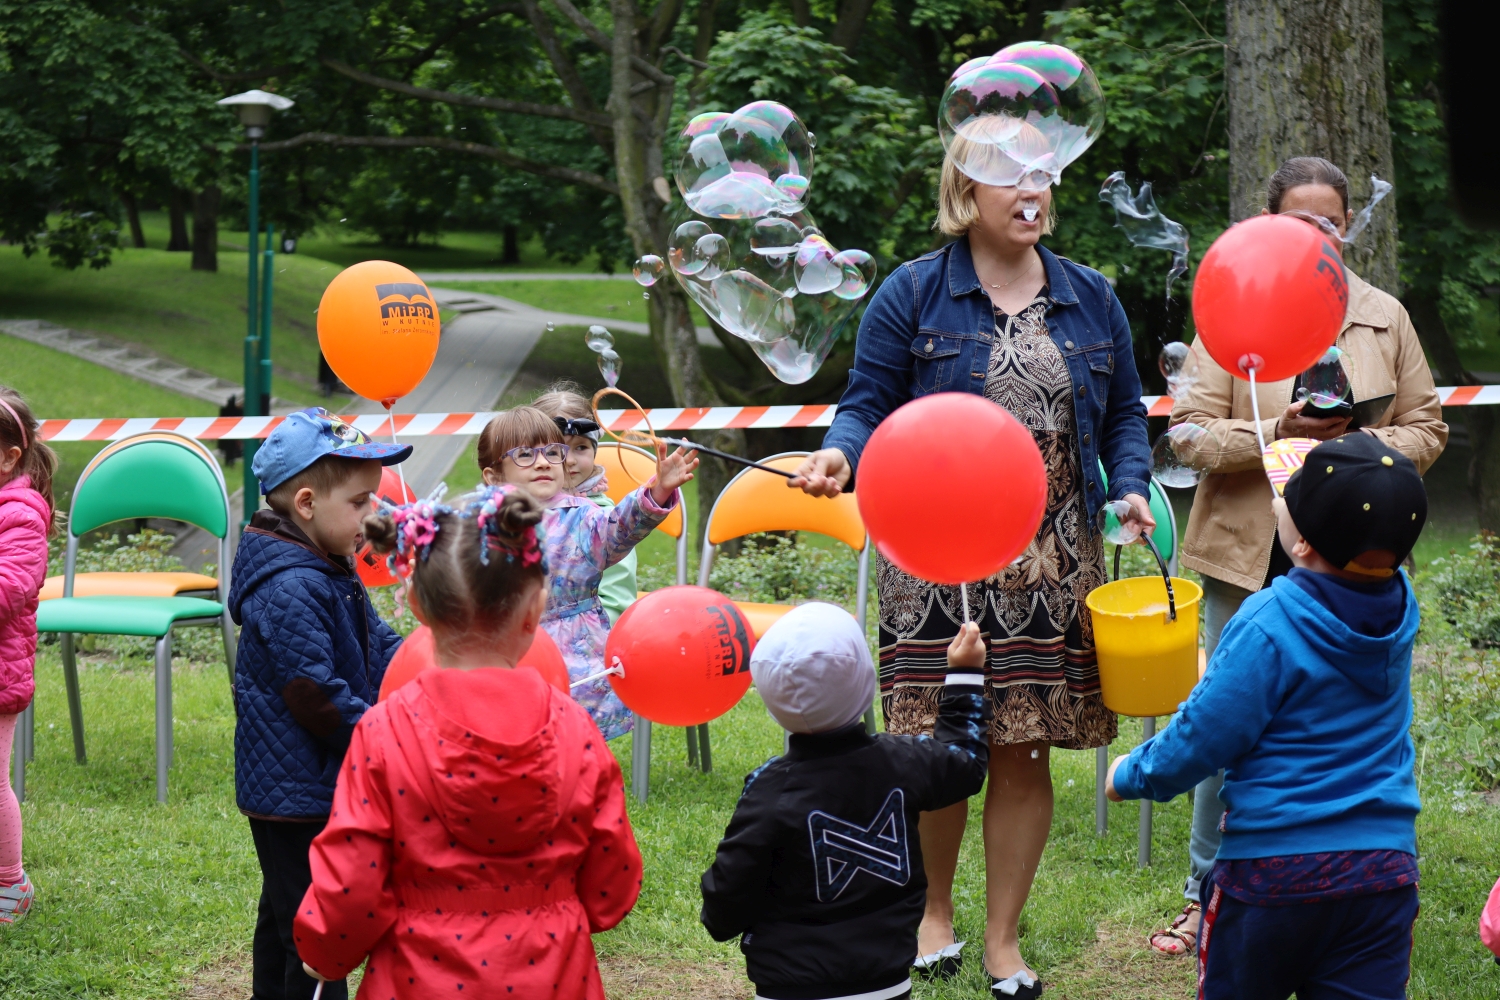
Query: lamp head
x=254, y=108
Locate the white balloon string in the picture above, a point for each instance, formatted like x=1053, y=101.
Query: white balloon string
x=391, y=412
x=318, y=990
x=1260, y=434
x=963, y=596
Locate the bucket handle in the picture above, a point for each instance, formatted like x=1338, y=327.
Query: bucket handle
x=1166, y=577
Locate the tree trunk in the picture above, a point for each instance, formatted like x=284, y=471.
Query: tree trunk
x=206, y=229
x=510, y=250
x=133, y=215
x=851, y=23
x=1308, y=79
x=177, y=215
x=801, y=13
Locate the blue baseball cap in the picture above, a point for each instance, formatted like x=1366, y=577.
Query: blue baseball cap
x=306, y=436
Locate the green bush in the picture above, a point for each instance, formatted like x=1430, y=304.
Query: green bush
x=775, y=569
x=1462, y=589
x=1457, y=724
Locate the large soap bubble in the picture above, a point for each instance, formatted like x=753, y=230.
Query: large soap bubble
x=747, y=164
x=1179, y=366
x=1021, y=116
x=1325, y=385
x=1182, y=456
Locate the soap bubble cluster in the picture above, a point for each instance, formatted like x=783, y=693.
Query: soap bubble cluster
x=751, y=256
x=1325, y=384
x=747, y=164
x=602, y=342
x=1179, y=366
x=1182, y=456
x=1017, y=118
x=1144, y=224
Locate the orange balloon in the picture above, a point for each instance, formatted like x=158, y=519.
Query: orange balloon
x=378, y=327
x=416, y=655
x=686, y=655
x=371, y=567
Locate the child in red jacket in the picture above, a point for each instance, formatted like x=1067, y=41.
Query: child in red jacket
x=478, y=835
x=26, y=520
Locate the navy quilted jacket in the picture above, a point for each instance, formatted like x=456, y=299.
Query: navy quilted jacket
x=312, y=653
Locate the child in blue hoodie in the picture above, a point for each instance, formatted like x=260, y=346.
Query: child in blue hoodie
x=1307, y=706
x=312, y=653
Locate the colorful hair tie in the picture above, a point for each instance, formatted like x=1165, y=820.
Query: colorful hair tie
x=20, y=426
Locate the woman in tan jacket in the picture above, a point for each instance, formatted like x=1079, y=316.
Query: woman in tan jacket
x=1231, y=533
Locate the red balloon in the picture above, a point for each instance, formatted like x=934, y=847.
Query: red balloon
x=416, y=655
x=1270, y=295
x=686, y=655
x=951, y=445
x=371, y=567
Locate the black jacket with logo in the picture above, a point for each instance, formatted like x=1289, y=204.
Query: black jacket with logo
x=820, y=870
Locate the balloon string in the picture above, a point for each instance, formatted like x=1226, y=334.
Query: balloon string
x=1260, y=434
x=391, y=413
x=615, y=671
x=963, y=595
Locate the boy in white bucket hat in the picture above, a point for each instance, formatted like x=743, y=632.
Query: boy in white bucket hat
x=820, y=871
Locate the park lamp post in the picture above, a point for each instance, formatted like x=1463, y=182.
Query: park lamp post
x=254, y=108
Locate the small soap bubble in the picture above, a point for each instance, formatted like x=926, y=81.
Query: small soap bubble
x=1181, y=456
x=858, y=270
x=682, y=252
x=1035, y=754
x=599, y=339
x=1179, y=366
x=1114, y=526
x=550, y=328
x=1325, y=384
x=816, y=271
x=609, y=366
x=649, y=269
x=712, y=251
x=646, y=296
x=775, y=239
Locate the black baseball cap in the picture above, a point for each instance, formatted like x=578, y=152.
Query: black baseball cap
x=1353, y=495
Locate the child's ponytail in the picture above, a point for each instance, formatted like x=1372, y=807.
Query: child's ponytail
x=468, y=564
x=19, y=429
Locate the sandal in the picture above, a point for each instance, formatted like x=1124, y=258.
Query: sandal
x=944, y=963
x=1186, y=943
x=1022, y=985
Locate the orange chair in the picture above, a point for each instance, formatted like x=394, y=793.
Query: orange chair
x=756, y=501
x=616, y=458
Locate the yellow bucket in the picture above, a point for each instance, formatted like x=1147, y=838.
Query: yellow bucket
x=1147, y=663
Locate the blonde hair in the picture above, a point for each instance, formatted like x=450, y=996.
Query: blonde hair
x=563, y=399
x=957, y=210
x=519, y=427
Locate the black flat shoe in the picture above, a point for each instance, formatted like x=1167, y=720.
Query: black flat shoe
x=1021, y=986
x=944, y=963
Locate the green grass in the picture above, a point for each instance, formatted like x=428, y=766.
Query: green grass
x=59, y=385
x=152, y=298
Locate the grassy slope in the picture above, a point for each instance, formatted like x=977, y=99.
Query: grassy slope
x=59, y=385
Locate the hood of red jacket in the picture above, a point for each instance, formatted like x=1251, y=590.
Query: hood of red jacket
x=489, y=742
x=18, y=490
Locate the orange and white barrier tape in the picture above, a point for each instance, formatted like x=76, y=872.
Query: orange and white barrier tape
x=703, y=418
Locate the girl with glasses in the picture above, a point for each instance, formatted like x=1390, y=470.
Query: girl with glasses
x=524, y=447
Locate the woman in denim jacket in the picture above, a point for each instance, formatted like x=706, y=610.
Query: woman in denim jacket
x=997, y=314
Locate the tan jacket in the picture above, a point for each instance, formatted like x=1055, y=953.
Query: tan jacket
x=1231, y=529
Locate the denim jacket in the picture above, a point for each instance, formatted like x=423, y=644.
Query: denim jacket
x=929, y=329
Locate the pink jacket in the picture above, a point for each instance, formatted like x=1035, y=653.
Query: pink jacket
x=1489, y=922
x=23, y=567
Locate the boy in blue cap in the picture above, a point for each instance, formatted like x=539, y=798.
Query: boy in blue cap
x=312, y=653
x=1307, y=706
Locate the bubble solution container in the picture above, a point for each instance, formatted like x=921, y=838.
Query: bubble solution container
x=1148, y=662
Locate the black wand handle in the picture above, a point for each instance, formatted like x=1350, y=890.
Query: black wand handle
x=740, y=459
x=1165, y=576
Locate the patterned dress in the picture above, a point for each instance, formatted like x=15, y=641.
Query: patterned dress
x=581, y=540
x=1043, y=678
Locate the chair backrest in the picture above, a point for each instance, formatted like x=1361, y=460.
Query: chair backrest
x=1165, y=535
x=156, y=474
x=759, y=501
x=616, y=458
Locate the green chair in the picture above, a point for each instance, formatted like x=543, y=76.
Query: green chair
x=150, y=475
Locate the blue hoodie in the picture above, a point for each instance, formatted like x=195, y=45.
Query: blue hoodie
x=1311, y=722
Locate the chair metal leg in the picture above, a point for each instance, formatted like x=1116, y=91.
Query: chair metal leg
x=163, y=713
x=1143, y=846
x=692, y=744
x=75, y=700
x=1101, y=803
x=703, y=749
x=227, y=624
x=18, y=759
x=30, y=717
x=640, y=759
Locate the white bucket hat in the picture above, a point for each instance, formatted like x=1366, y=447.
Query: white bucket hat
x=813, y=669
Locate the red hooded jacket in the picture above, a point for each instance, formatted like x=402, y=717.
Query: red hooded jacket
x=478, y=838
